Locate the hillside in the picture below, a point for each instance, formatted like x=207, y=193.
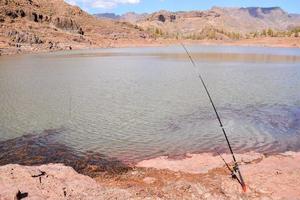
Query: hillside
x=41, y=25
x=37, y=25
x=216, y=23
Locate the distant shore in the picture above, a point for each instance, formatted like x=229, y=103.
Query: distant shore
x=282, y=42
x=198, y=176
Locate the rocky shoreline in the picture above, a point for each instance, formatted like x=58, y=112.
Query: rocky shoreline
x=51, y=47
x=197, y=176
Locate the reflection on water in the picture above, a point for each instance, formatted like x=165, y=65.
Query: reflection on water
x=235, y=57
x=209, y=57
x=136, y=103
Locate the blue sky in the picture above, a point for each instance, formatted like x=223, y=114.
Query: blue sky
x=140, y=6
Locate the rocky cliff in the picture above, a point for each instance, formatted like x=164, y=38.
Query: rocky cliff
x=28, y=25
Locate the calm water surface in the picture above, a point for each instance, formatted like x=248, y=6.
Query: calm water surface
x=136, y=103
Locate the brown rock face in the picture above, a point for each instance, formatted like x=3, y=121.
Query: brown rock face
x=67, y=24
x=163, y=16
x=61, y=22
x=37, y=23
x=23, y=37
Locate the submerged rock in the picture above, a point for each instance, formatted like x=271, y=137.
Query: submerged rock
x=43, y=148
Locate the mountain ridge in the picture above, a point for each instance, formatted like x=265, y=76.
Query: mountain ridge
x=241, y=20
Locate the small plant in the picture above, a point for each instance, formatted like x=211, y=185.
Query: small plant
x=270, y=32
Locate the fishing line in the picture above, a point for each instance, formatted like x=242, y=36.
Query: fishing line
x=70, y=107
x=235, y=169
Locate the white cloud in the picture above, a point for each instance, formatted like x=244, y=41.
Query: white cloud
x=105, y=4
x=111, y=3
x=71, y=2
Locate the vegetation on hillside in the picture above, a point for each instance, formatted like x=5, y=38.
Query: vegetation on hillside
x=294, y=32
x=213, y=33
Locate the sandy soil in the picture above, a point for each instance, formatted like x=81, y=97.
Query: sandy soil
x=286, y=42
x=201, y=176
x=53, y=181
x=274, y=177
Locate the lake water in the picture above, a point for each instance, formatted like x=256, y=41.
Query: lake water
x=137, y=103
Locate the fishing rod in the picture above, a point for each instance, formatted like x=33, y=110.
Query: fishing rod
x=235, y=172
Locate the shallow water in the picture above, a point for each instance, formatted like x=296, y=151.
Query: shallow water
x=137, y=103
